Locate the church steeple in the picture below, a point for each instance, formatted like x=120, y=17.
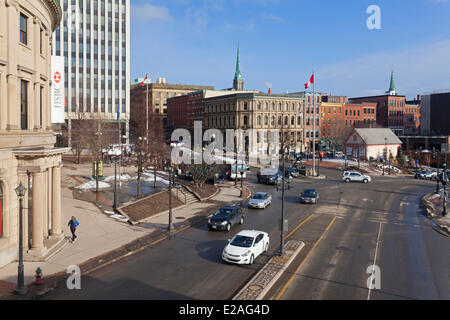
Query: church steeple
x=392, y=91
x=238, y=82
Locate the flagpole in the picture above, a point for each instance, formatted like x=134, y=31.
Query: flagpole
x=146, y=115
x=314, y=125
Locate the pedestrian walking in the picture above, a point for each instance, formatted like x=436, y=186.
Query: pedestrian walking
x=73, y=224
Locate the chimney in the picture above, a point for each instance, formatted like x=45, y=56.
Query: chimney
x=270, y=91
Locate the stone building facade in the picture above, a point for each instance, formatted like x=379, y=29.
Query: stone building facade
x=259, y=111
x=27, y=141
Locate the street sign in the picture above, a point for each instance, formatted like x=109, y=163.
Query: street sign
x=444, y=194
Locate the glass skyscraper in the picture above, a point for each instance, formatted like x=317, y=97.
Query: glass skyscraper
x=94, y=38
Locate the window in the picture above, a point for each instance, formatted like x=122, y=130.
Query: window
x=23, y=29
x=41, y=39
x=24, y=105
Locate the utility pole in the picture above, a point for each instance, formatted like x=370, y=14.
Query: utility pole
x=437, y=177
x=314, y=125
x=282, y=205
x=444, y=205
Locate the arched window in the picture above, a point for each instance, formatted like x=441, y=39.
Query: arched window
x=245, y=120
x=279, y=120
x=292, y=121
x=266, y=120
x=286, y=120
x=266, y=106
x=273, y=121
x=259, y=105
x=258, y=120
x=273, y=106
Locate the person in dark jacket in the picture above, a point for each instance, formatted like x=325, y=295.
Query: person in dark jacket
x=73, y=224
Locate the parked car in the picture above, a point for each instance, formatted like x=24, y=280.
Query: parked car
x=260, y=200
x=420, y=174
x=291, y=171
x=429, y=175
x=225, y=218
x=309, y=196
x=339, y=154
x=245, y=247
x=356, y=176
x=273, y=176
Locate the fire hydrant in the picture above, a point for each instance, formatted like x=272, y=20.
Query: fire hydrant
x=38, y=276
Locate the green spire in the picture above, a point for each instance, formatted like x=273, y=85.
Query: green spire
x=392, y=85
x=238, y=74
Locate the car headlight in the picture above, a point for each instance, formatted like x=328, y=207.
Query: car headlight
x=224, y=223
x=246, y=254
x=225, y=251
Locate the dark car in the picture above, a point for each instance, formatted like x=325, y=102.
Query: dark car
x=309, y=196
x=225, y=218
x=273, y=176
x=291, y=171
x=420, y=174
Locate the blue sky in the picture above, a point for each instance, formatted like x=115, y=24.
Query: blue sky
x=283, y=41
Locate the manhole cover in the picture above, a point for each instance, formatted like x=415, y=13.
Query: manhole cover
x=254, y=288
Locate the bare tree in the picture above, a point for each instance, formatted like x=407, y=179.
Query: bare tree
x=79, y=135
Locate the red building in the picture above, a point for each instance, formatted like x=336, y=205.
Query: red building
x=392, y=111
x=339, y=119
x=182, y=111
x=411, y=120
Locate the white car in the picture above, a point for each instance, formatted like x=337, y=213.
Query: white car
x=356, y=176
x=245, y=247
x=260, y=200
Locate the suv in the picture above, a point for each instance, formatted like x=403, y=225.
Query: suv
x=225, y=218
x=429, y=175
x=291, y=171
x=355, y=176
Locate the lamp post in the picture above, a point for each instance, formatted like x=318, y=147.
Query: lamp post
x=444, y=182
x=170, y=226
x=437, y=177
x=115, y=153
x=385, y=153
x=242, y=183
x=21, y=288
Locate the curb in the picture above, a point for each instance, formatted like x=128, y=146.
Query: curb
x=53, y=281
x=429, y=212
x=274, y=278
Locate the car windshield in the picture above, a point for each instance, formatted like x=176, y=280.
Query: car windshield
x=309, y=193
x=259, y=196
x=223, y=213
x=242, y=241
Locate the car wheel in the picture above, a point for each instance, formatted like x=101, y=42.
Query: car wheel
x=251, y=260
x=365, y=181
x=228, y=227
x=242, y=221
x=347, y=180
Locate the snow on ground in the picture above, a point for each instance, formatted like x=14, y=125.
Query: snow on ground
x=124, y=178
x=149, y=177
x=92, y=185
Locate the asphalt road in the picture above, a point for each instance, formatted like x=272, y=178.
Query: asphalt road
x=379, y=222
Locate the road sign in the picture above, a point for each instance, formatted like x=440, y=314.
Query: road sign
x=444, y=194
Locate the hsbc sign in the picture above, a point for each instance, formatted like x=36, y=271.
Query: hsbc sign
x=58, y=95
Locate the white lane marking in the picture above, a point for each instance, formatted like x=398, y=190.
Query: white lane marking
x=375, y=258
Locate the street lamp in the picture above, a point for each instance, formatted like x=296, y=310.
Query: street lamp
x=242, y=182
x=444, y=183
x=170, y=226
x=21, y=288
x=385, y=153
x=115, y=153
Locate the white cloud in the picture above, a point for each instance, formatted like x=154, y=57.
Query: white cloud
x=149, y=12
x=417, y=70
x=273, y=18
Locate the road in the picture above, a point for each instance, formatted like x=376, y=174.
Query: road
x=353, y=227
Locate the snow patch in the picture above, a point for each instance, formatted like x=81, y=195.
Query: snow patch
x=92, y=185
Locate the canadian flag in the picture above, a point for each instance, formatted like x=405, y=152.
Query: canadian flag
x=145, y=79
x=311, y=81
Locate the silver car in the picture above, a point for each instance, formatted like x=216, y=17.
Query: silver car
x=260, y=200
x=356, y=176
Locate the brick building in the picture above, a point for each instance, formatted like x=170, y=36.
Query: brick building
x=391, y=109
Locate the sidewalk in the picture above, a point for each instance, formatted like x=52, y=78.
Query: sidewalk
x=98, y=234
x=432, y=204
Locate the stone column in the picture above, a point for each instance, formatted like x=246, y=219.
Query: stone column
x=45, y=201
x=38, y=191
x=56, y=203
